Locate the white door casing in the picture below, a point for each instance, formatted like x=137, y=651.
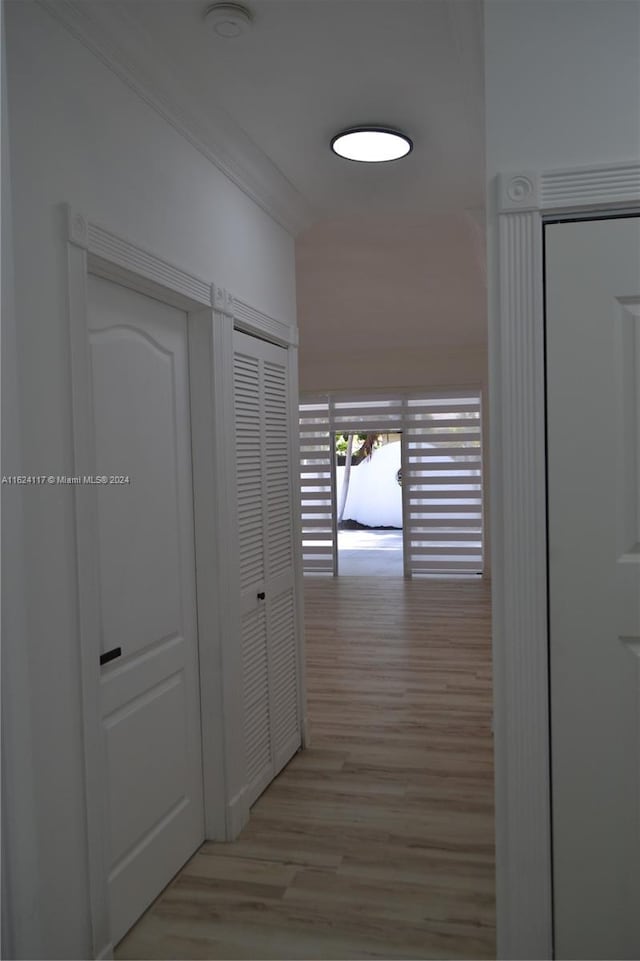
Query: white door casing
x=211, y=314
x=593, y=430
x=523, y=201
x=150, y=705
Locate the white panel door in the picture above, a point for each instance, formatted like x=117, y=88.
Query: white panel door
x=150, y=693
x=593, y=376
x=265, y=538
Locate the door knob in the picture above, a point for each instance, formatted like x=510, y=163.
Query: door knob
x=261, y=595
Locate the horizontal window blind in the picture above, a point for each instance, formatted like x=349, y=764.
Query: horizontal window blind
x=316, y=487
x=443, y=476
x=441, y=471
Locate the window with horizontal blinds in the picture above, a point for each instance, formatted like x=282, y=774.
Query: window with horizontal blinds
x=441, y=473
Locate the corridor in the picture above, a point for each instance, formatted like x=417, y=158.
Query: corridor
x=377, y=842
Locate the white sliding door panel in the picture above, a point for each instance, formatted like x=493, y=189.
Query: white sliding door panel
x=593, y=429
x=265, y=512
x=441, y=475
x=317, y=487
x=150, y=702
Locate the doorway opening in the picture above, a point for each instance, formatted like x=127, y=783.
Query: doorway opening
x=369, y=511
x=441, y=485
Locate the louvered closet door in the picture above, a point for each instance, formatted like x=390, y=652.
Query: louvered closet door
x=265, y=538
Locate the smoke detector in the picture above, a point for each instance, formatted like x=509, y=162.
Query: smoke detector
x=228, y=20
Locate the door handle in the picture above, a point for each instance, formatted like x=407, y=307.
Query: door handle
x=110, y=655
x=261, y=595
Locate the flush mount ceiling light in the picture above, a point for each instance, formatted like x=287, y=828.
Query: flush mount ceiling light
x=371, y=145
x=228, y=20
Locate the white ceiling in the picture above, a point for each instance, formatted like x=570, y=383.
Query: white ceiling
x=308, y=68
x=374, y=283
x=264, y=107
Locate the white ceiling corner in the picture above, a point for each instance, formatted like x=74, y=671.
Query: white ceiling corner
x=119, y=43
x=404, y=239
x=265, y=106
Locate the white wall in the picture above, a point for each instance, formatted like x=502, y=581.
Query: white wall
x=562, y=83
x=80, y=135
x=562, y=88
x=374, y=496
x=20, y=916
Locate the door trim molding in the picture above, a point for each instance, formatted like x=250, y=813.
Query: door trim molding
x=212, y=313
x=523, y=201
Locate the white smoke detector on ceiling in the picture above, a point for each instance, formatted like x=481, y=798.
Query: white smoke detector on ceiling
x=228, y=20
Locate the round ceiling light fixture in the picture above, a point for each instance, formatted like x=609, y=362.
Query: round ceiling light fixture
x=371, y=145
x=228, y=20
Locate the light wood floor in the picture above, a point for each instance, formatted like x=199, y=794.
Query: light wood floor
x=377, y=842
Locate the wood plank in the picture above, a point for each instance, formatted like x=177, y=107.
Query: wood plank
x=377, y=842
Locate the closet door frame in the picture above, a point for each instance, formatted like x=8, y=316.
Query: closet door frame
x=250, y=321
x=211, y=315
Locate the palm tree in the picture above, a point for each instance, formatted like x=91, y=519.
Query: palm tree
x=369, y=441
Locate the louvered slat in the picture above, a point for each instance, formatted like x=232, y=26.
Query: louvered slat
x=248, y=474
x=284, y=672
x=256, y=695
x=277, y=478
x=265, y=547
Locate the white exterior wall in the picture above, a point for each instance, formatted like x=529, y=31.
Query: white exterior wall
x=374, y=497
x=78, y=134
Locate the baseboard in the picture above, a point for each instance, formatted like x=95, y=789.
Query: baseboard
x=237, y=814
x=305, y=733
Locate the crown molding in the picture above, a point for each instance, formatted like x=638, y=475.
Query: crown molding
x=121, y=45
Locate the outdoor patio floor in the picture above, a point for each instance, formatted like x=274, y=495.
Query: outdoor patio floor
x=370, y=552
